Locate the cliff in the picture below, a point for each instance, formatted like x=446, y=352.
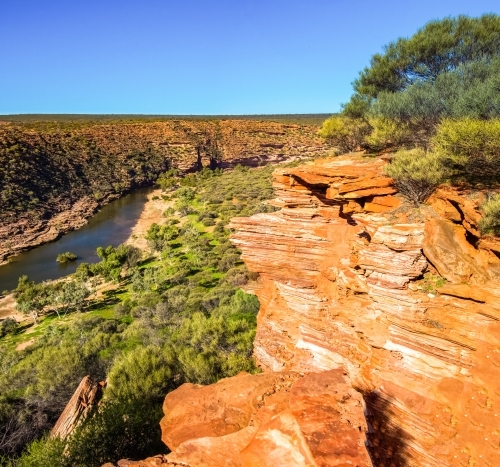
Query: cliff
x=54, y=176
x=404, y=302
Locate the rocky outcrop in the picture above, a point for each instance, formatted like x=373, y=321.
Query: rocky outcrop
x=404, y=303
x=79, y=406
x=342, y=286
x=287, y=419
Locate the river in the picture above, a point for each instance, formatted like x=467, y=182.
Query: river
x=112, y=225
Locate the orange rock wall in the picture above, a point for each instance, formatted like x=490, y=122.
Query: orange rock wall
x=341, y=286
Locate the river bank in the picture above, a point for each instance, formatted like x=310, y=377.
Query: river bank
x=111, y=225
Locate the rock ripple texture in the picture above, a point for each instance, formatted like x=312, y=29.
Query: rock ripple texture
x=344, y=303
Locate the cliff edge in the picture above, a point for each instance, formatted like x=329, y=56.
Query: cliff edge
x=376, y=316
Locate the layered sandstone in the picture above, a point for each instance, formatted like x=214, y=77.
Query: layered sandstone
x=341, y=287
x=404, y=303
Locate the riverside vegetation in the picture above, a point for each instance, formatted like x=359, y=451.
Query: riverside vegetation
x=434, y=100
x=175, y=314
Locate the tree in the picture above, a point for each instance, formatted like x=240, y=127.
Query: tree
x=31, y=298
x=439, y=47
x=69, y=295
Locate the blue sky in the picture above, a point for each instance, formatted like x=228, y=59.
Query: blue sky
x=198, y=56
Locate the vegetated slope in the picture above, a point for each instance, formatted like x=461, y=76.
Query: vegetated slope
x=179, y=316
x=48, y=168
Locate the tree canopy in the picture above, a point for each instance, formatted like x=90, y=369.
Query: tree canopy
x=441, y=46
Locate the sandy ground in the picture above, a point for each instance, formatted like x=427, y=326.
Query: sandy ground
x=8, y=309
x=152, y=212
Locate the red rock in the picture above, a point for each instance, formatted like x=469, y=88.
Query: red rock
x=290, y=421
x=345, y=292
x=195, y=411
x=448, y=250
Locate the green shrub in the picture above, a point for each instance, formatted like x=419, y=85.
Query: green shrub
x=8, y=326
x=346, y=134
x=416, y=173
x=387, y=132
x=45, y=452
x=490, y=222
x=67, y=257
x=471, y=147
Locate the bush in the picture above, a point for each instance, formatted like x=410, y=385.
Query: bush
x=490, y=222
x=67, y=257
x=416, y=173
x=207, y=222
x=387, y=132
x=347, y=134
x=45, y=452
x=8, y=326
x=471, y=147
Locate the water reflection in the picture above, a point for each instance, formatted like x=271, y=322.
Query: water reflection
x=112, y=225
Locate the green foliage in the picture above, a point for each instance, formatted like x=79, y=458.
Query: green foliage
x=180, y=317
x=431, y=283
x=345, y=133
x=449, y=69
x=439, y=47
x=8, y=326
x=471, y=148
x=114, y=259
x=168, y=180
x=471, y=90
x=67, y=257
x=386, y=132
x=68, y=295
x=31, y=298
x=417, y=173
x=143, y=374
x=44, y=452
x=118, y=430
x=490, y=222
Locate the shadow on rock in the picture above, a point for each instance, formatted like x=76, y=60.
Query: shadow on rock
x=387, y=442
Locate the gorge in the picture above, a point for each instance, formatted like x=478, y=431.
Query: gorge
x=378, y=327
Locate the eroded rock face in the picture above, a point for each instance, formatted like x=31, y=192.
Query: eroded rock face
x=341, y=290
x=283, y=419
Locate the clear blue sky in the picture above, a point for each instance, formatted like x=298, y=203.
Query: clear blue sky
x=198, y=56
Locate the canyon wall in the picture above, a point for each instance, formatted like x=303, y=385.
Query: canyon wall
x=341, y=286
x=54, y=176
x=403, y=301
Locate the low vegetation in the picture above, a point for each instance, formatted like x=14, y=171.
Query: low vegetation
x=67, y=257
x=173, y=314
x=417, y=173
x=490, y=222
